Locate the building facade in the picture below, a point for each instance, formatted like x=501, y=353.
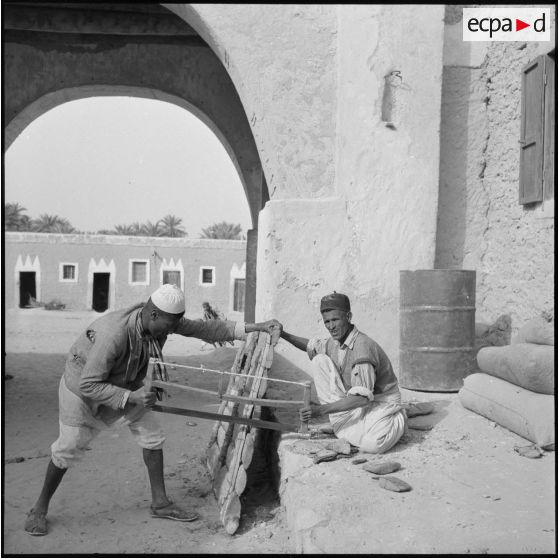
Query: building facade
x=105, y=272
x=370, y=139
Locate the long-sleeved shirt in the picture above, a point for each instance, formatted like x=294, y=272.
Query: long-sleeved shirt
x=110, y=358
x=363, y=368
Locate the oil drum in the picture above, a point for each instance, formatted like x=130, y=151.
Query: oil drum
x=437, y=328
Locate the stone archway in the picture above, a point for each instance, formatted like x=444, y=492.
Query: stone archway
x=60, y=52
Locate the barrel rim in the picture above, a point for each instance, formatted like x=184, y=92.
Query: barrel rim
x=438, y=269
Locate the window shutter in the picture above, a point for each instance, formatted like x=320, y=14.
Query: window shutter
x=531, y=141
x=548, y=174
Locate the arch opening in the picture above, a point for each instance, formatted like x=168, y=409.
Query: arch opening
x=177, y=187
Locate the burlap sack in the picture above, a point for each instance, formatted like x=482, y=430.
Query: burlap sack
x=524, y=364
x=537, y=331
x=528, y=414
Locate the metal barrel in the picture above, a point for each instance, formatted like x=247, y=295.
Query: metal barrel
x=437, y=328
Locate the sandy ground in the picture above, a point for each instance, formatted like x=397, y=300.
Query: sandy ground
x=102, y=506
x=471, y=492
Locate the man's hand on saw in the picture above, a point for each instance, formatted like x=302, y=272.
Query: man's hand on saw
x=273, y=327
x=306, y=413
x=142, y=397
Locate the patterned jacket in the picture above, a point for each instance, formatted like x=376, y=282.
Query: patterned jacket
x=109, y=359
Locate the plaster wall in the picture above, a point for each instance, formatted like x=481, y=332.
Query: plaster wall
x=382, y=215
x=481, y=224
x=282, y=61
x=115, y=252
x=352, y=201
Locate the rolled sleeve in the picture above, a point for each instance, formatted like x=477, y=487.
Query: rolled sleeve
x=363, y=380
x=240, y=331
x=316, y=346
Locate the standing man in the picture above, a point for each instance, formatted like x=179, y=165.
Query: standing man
x=102, y=385
x=354, y=381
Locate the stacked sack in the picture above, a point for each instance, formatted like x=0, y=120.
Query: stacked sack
x=515, y=388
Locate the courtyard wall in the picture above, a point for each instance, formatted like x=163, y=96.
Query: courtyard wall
x=45, y=253
x=481, y=224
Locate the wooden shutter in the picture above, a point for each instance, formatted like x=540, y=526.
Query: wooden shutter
x=531, y=141
x=548, y=171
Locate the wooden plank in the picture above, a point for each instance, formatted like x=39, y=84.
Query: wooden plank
x=263, y=387
x=221, y=435
x=221, y=486
x=241, y=480
x=231, y=478
x=217, y=464
x=248, y=412
x=212, y=459
x=165, y=385
x=235, y=368
x=281, y=427
x=230, y=397
x=236, y=475
x=248, y=450
x=263, y=402
x=226, y=407
x=230, y=514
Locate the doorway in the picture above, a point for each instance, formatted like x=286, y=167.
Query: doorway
x=172, y=277
x=27, y=288
x=100, y=291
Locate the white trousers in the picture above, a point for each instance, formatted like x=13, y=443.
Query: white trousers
x=72, y=441
x=374, y=428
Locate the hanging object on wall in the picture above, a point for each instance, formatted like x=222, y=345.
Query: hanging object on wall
x=392, y=100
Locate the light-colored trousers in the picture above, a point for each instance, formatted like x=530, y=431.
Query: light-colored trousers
x=374, y=428
x=75, y=437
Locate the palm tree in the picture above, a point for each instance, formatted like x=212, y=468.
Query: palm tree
x=64, y=226
x=137, y=228
x=223, y=230
x=151, y=229
x=14, y=219
x=171, y=226
x=51, y=224
x=125, y=230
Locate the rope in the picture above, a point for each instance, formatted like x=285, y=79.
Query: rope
x=203, y=369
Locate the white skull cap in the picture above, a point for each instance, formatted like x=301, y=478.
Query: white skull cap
x=169, y=298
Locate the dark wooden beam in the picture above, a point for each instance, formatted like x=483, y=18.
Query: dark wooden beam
x=281, y=427
x=55, y=19
x=86, y=41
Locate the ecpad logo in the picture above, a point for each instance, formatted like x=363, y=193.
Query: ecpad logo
x=506, y=24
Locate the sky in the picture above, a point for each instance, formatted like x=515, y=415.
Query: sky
x=105, y=161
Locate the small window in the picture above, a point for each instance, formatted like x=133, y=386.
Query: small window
x=238, y=297
x=68, y=273
x=139, y=272
x=207, y=276
x=536, y=162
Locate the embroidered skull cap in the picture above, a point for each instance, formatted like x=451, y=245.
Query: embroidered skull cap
x=170, y=299
x=335, y=301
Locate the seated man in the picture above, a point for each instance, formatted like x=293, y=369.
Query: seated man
x=354, y=381
x=102, y=386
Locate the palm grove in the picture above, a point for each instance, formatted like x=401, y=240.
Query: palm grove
x=16, y=219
